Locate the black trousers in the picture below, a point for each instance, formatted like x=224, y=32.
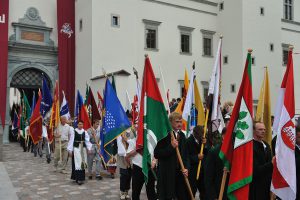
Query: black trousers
x=23, y=143
x=197, y=184
x=138, y=182
x=125, y=178
x=181, y=190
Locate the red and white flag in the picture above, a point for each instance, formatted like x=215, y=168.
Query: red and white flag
x=284, y=167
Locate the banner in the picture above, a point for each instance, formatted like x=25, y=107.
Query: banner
x=66, y=46
x=3, y=56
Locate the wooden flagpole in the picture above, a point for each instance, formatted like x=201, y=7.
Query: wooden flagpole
x=202, y=145
x=224, y=177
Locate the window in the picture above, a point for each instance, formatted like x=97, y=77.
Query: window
x=207, y=42
x=272, y=47
x=150, y=38
x=285, y=53
x=288, y=9
x=253, y=60
x=225, y=59
x=185, y=39
x=80, y=25
x=205, y=86
x=232, y=88
x=221, y=6
x=151, y=34
x=185, y=43
x=115, y=20
x=262, y=11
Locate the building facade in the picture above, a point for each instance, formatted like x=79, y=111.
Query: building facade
x=114, y=36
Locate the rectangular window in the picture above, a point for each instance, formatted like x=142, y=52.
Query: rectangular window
x=232, y=88
x=80, y=25
x=253, y=60
x=150, y=38
x=115, y=20
x=225, y=59
x=207, y=46
x=185, y=43
x=288, y=9
x=262, y=11
x=272, y=47
x=221, y=6
x=285, y=54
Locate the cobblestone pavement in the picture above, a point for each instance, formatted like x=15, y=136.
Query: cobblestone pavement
x=34, y=179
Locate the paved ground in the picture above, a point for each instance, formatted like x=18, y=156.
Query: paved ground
x=32, y=178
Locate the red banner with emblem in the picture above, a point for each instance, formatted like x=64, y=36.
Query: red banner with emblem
x=66, y=48
x=4, y=7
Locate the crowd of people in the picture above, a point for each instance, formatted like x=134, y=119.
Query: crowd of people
x=166, y=179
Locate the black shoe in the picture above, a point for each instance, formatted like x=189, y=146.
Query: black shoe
x=112, y=176
x=48, y=160
x=79, y=182
x=35, y=154
x=90, y=177
x=99, y=178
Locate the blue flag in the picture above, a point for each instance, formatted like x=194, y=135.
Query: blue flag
x=46, y=99
x=64, y=109
x=15, y=127
x=78, y=105
x=114, y=123
x=33, y=102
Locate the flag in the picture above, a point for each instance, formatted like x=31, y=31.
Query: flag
x=54, y=117
x=15, y=127
x=237, y=148
x=199, y=106
x=46, y=99
x=64, y=109
x=113, y=83
x=189, y=104
x=81, y=112
x=114, y=122
x=92, y=107
x=78, y=105
x=33, y=102
x=36, y=122
x=179, y=108
x=100, y=102
x=153, y=123
x=127, y=106
x=284, y=168
x=213, y=102
x=87, y=91
x=26, y=108
x=263, y=113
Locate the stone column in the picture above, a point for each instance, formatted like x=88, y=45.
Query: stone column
x=7, y=119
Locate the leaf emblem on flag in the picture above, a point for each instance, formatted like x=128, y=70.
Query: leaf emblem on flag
x=241, y=125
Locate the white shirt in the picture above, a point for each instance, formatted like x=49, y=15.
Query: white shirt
x=26, y=128
x=138, y=158
x=65, y=131
x=44, y=133
x=86, y=138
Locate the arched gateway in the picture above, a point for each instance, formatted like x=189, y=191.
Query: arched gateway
x=31, y=54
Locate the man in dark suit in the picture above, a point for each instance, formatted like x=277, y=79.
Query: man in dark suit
x=193, y=145
x=170, y=183
x=262, y=165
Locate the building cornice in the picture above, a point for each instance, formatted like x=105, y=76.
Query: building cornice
x=121, y=72
x=183, y=7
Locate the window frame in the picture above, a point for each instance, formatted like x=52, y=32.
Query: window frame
x=151, y=25
x=112, y=20
x=206, y=34
x=184, y=30
x=288, y=10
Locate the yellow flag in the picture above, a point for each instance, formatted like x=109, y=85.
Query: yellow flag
x=199, y=105
x=179, y=108
x=263, y=113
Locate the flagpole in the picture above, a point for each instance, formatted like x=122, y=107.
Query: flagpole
x=224, y=177
x=182, y=168
x=202, y=145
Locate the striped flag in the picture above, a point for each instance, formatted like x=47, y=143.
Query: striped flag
x=284, y=168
